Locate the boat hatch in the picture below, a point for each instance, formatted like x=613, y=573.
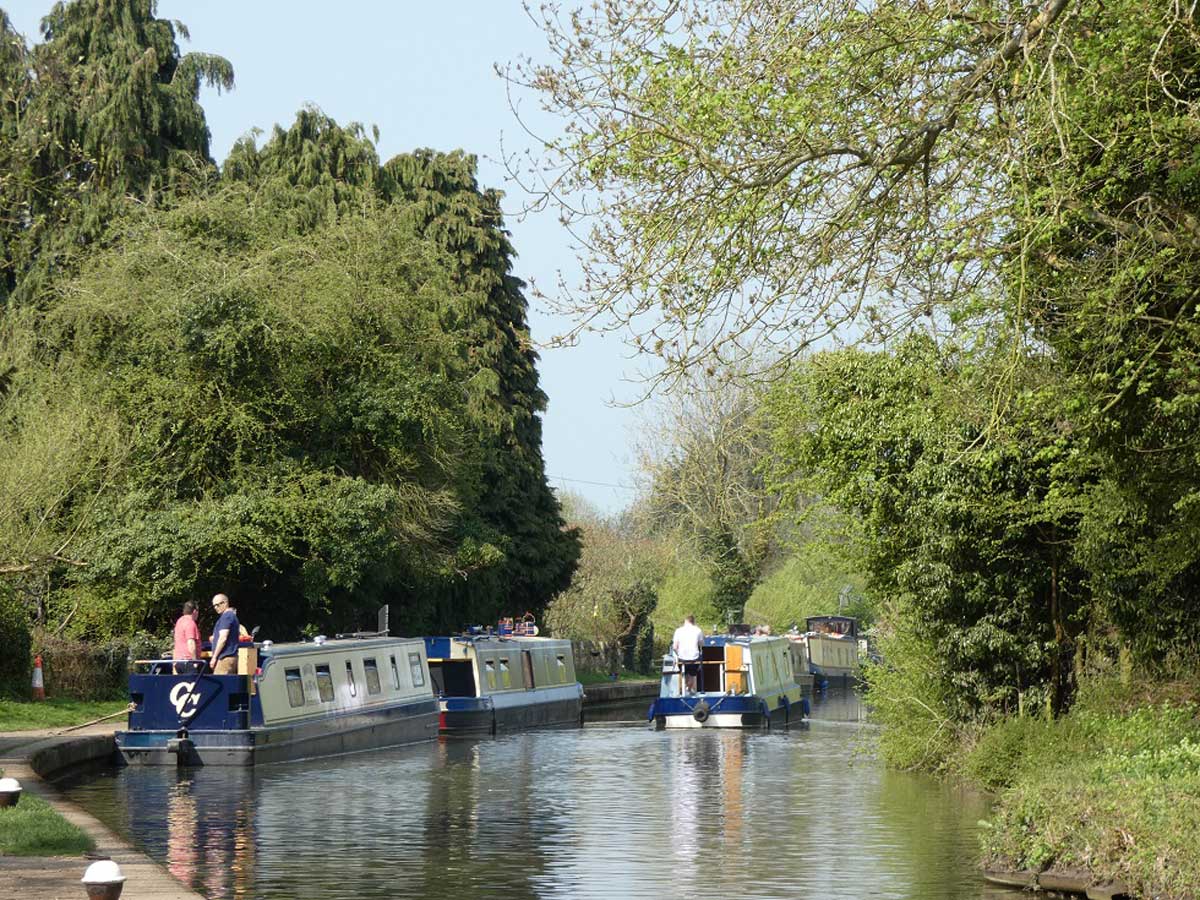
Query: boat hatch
x=712, y=662
x=453, y=677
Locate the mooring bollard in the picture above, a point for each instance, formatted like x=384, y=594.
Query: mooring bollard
x=103, y=880
x=10, y=792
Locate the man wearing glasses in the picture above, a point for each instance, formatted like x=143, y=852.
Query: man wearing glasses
x=224, y=638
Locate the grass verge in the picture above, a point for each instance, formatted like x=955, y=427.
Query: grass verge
x=34, y=828
x=54, y=713
x=1113, y=787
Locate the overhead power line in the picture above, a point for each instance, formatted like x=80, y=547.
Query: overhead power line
x=623, y=487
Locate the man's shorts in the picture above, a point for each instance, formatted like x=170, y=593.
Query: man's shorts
x=691, y=667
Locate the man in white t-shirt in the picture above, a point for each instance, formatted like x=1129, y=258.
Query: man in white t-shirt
x=686, y=646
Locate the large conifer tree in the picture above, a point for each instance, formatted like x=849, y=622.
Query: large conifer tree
x=103, y=109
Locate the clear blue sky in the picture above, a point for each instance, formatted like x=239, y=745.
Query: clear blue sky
x=423, y=72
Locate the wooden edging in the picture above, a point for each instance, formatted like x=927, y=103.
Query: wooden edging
x=1075, y=881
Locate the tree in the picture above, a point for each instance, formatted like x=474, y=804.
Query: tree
x=273, y=414
x=106, y=108
x=1107, y=281
x=515, y=514
x=970, y=542
x=614, y=590
x=705, y=484
x=743, y=171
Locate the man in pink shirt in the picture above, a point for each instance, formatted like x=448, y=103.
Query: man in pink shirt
x=187, y=640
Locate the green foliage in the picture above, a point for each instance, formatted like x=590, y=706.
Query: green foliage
x=1109, y=265
x=614, y=589
x=16, y=664
x=103, y=110
x=965, y=526
x=1105, y=788
x=642, y=657
x=913, y=697
x=685, y=590
x=309, y=385
x=811, y=582
x=34, y=828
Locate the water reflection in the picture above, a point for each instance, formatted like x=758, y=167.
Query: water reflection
x=601, y=811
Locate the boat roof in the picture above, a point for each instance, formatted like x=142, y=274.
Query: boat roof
x=336, y=645
x=498, y=639
x=720, y=640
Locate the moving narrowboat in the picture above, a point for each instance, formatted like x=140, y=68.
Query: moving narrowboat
x=743, y=682
x=832, y=648
x=488, y=682
x=288, y=701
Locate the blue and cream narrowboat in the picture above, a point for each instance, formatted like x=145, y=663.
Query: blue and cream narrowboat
x=743, y=682
x=487, y=683
x=833, y=652
x=289, y=701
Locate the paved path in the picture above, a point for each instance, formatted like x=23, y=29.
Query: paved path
x=58, y=877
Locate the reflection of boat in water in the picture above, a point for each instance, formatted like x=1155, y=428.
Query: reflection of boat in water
x=490, y=682
x=298, y=700
x=742, y=682
x=832, y=648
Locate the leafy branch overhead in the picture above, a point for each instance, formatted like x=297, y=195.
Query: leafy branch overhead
x=779, y=171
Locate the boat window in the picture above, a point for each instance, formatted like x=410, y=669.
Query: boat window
x=350, y=678
x=562, y=668
x=295, y=687
x=395, y=674
x=505, y=678
x=324, y=682
x=490, y=670
x=416, y=669
x=372, y=672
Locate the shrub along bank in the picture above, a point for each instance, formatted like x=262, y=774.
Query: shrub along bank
x=1113, y=787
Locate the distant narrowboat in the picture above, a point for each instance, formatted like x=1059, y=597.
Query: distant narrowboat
x=743, y=682
x=488, y=682
x=833, y=652
x=801, y=670
x=294, y=701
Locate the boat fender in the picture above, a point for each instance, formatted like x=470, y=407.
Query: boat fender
x=700, y=713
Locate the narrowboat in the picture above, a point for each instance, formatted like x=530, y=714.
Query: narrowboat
x=832, y=648
x=743, y=682
x=289, y=701
x=488, y=682
x=801, y=670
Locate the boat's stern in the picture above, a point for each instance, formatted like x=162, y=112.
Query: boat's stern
x=188, y=719
x=709, y=711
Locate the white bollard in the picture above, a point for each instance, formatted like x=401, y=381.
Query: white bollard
x=103, y=880
x=10, y=792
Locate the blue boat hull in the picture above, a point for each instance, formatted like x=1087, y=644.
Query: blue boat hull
x=326, y=736
x=726, y=711
x=492, y=715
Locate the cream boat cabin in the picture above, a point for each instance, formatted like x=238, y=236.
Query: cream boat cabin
x=307, y=699
x=832, y=648
x=488, y=683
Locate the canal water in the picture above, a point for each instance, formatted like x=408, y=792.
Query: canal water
x=607, y=810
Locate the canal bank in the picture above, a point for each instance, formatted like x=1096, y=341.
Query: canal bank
x=34, y=759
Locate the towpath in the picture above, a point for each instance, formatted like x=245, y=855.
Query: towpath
x=24, y=756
